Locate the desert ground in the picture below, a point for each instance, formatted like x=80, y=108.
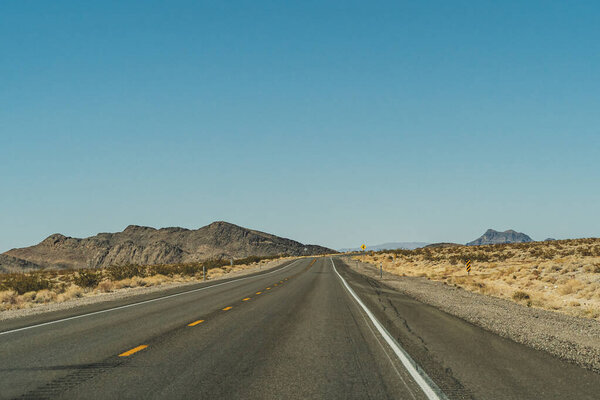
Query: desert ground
x=34, y=289
x=562, y=275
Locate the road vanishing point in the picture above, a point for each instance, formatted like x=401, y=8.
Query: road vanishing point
x=309, y=329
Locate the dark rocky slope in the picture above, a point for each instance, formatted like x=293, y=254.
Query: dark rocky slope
x=145, y=245
x=494, y=237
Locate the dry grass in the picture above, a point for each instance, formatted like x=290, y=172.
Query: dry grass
x=40, y=287
x=559, y=275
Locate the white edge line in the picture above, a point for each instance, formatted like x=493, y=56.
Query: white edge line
x=142, y=302
x=427, y=388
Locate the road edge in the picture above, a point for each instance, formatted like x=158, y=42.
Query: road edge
x=427, y=385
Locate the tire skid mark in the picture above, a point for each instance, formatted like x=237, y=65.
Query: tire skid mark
x=83, y=373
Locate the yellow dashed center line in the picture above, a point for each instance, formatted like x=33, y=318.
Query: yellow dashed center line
x=246, y=299
x=268, y=288
x=258, y=292
x=134, y=350
x=227, y=308
x=275, y=285
x=196, y=322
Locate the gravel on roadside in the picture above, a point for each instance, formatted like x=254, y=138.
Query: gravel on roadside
x=124, y=293
x=570, y=338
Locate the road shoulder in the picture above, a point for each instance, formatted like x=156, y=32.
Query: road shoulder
x=573, y=339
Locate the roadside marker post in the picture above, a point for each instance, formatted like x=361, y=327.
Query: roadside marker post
x=381, y=270
x=468, y=266
x=204, y=272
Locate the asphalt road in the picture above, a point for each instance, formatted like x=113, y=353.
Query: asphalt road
x=295, y=332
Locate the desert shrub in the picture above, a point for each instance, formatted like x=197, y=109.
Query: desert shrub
x=45, y=296
x=190, y=269
x=403, y=252
x=71, y=292
x=166, y=270
x=571, y=286
x=106, y=286
x=520, y=295
x=120, y=272
x=480, y=256
x=87, y=278
x=23, y=283
x=454, y=259
x=247, y=260
x=218, y=263
x=427, y=256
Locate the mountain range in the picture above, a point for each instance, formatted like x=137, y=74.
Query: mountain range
x=146, y=245
x=390, y=246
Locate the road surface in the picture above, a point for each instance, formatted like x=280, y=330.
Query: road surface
x=310, y=329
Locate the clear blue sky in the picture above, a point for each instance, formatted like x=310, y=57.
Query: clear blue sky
x=334, y=123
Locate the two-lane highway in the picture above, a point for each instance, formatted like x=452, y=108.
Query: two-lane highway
x=291, y=333
x=311, y=328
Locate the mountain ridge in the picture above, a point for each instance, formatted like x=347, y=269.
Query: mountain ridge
x=147, y=245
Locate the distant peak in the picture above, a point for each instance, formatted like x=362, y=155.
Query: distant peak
x=138, y=228
x=54, y=238
x=492, y=236
x=222, y=224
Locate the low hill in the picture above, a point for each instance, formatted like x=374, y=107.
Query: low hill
x=145, y=245
x=390, y=246
x=494, y=237
x=442, y=244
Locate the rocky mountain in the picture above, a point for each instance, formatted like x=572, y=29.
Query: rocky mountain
x=494, y=237
x=145, y=245
x=13, y=264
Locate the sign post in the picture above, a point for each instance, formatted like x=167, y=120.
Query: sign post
x=468, y=266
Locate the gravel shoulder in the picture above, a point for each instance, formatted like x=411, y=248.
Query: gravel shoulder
x=119, y=294
x=570, y=338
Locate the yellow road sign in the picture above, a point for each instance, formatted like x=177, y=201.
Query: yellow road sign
x=363, y=246
x=468, y=265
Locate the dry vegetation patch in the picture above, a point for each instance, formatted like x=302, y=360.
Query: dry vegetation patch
x=556, y=275
x=27, y=290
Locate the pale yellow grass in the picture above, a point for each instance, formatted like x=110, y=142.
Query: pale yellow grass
x=63, y=290
x=562, y=276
